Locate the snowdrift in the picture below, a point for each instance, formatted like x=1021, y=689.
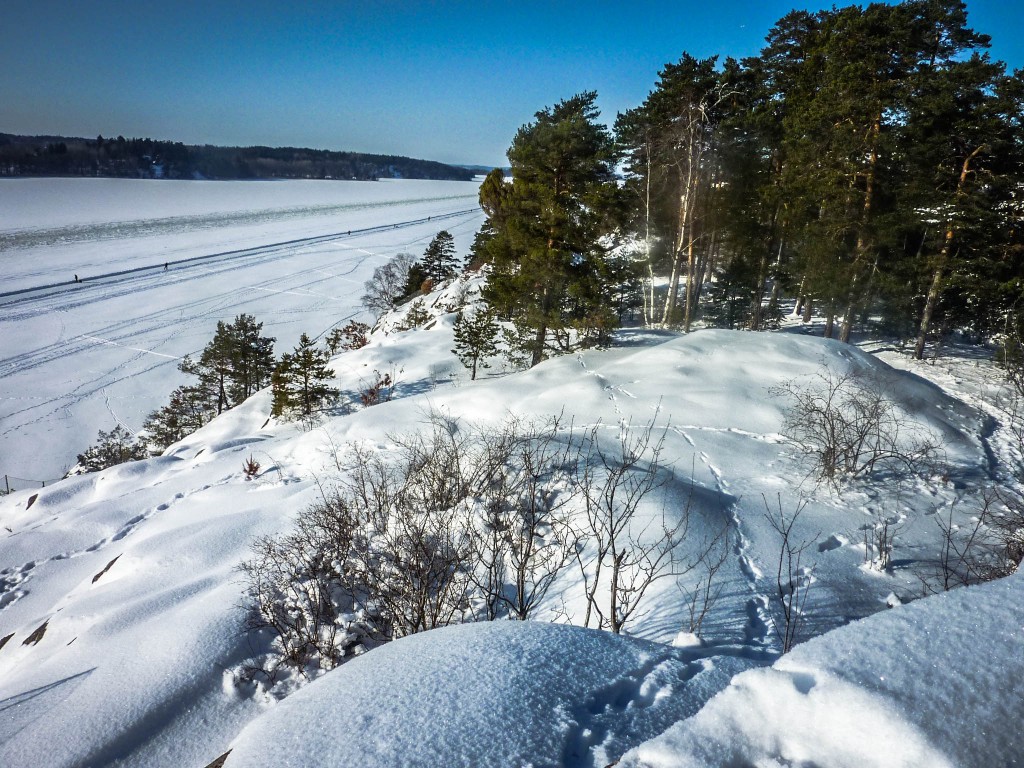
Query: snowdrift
x=495, y=694
x=926, y=685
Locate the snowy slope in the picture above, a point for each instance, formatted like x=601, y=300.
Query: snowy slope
x=496, y=694
x=121, y=602
x=122, y=598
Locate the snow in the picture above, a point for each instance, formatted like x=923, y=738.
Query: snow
x=133, y=571
x=930, y=684
x=498, y=694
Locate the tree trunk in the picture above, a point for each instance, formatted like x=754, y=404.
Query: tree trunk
x=861, y=249
x=935, y=290
x=690, y=271
x=808, y=308
x=538, y=343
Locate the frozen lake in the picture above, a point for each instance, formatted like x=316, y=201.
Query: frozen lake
x=79, y=357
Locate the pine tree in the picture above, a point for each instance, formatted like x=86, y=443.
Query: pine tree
x=300, y=381
x=476, y=339
x=439, y=261
x=548, y=226
x=964, y=158
x=114, y=447
x=187, y=411
x=252, y=358
x=236, y=363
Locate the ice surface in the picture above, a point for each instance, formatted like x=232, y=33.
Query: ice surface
x=80, y=357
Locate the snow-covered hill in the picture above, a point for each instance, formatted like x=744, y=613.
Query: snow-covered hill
x=121, y=602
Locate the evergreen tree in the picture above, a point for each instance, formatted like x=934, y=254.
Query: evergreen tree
x=415, y=280
x=439, y=261
x=964, y=158
x=476, y=339
x=300, y=381
x=354, y=335
x=252, y=358
x=671, y=141
x=548, y=226
x=187, y=411
x=114, y=447
x=234, y=364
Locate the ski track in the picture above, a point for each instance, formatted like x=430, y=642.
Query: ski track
x=130, y=329
x=129, y=332
x=176, y=225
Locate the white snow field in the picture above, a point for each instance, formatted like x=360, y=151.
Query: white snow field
x=79, y=357
x=122, y=623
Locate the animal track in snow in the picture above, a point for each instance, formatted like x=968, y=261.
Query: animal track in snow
x=13, y=580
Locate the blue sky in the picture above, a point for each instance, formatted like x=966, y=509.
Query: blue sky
x=449, y=81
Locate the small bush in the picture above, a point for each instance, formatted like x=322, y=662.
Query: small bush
x=355, y=335
x=849, y=428
x=250, y=468
x=380, y=389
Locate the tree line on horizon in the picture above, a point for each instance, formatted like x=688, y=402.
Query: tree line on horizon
x=149, y=158
x=868, y=164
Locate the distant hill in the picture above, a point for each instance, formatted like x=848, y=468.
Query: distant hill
x=149, y=158
x=483, y=170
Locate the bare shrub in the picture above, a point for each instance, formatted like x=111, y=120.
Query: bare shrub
x=379, y=389
x=988, y=544
x=298, y=588
x=703, y=596
x=630, y=545
x=450, y=520
x=524, y=536
x=250, y=468
x=792, y=579
x=455, y=523
x=849, y=428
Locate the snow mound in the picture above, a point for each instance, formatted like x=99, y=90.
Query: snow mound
x=907, y=687
x=496, y=694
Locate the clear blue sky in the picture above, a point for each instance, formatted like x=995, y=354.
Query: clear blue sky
x=449, y=81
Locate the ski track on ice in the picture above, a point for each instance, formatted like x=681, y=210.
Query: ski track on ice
x=130, y=328
x=185, y=223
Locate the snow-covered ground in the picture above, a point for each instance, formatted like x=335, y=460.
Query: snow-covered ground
x=120, y=594
x=79, y=357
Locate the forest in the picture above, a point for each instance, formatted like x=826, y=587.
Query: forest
x=867, y=164
x=149, y=158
